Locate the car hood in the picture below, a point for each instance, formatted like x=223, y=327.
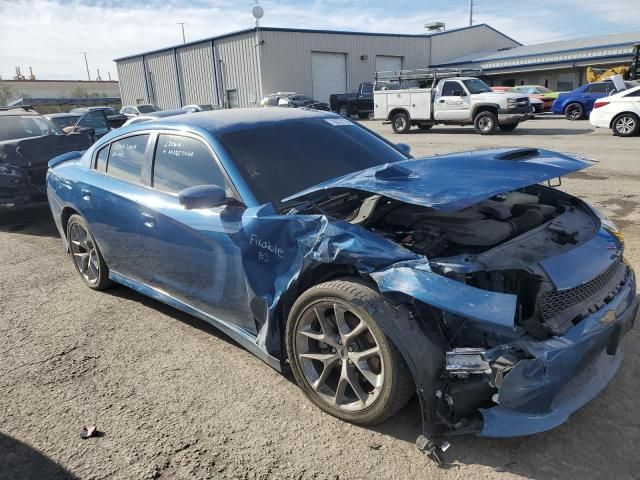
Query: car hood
x=35, y=152
x=453, y=182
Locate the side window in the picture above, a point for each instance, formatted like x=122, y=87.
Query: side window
x=367, y=89
x=598, y=88
x=633, y=94
x=126, y=158
x=101, y=159
x=182, y=162
x=272, y=101
x=450, y=89
x=95, y=120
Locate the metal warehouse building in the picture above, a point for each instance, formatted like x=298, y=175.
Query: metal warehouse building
x=238, y=69
x=557, y=65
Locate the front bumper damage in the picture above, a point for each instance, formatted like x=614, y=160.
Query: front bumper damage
x=17, y=187
x=562, y=374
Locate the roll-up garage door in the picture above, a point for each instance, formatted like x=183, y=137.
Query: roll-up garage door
x=387, y=63
x=329, y=74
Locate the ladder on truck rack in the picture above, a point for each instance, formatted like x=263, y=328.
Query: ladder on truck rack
x=427, y=74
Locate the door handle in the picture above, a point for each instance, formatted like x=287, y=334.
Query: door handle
x=148, y=220
x=85, y=194
x=440, y=101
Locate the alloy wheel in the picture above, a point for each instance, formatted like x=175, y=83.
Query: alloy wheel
x=400, y=123
x=85, y=254
x=574, y=112
x=339, y=356
x=625, y=125
x=485, y=124
x=344, y=111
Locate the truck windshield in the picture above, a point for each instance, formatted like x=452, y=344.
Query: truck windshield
x=475, y=85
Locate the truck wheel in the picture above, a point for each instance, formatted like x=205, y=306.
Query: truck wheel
x=486, y=123
x=400, y=123
x=508, y=127
x=425, y=126
x=363, y=115
x=344, y=110
x=625, y=125
x=574, y=111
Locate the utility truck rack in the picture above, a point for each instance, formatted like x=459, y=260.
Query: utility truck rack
x=434, y=74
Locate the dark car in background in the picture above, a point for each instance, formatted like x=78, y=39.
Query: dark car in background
x=357, y=103
x=115, y=118
x=157, y=115
x=95, y=122
x=64, y=120
x=293, y=100
x=28, y=141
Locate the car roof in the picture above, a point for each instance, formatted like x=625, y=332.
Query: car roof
x=18, y=111
x=61, y=115
x=233, y=119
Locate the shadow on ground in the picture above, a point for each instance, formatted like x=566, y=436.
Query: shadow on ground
x=19, y=461
x=34, y=220
x=521, y=130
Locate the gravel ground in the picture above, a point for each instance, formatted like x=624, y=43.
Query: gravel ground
x=176, y=399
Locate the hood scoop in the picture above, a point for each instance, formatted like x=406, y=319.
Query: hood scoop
x=393, y=172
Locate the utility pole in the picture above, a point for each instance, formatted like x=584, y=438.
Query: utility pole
x=86, y=63
x=470, y=13
x=182, y=24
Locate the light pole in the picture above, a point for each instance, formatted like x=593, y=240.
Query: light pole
x=470, y=13
x=258, y=13
x=86, y=64
x=182, y=24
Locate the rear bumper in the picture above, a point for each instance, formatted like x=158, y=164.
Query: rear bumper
x=563, y=373
x=599, y=119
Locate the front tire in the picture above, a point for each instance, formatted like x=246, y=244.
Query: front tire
x=341, y=359
x=574, y=111
x=344, y=110
x=86, y=255
x=486, y=123
x=401, y=123
x=625, y=125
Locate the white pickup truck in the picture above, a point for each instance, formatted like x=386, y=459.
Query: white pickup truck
x=429, y=97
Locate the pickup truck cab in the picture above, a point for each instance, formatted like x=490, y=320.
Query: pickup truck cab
x=452, y=100
x=357, y=103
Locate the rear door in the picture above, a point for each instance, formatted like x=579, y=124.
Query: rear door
x=452, y=102
x=192, y=253
x=595, y=91
x=109, y=202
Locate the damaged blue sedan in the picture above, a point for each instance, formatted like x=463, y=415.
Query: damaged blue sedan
x=321, y=247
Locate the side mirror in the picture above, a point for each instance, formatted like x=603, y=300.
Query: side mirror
x=404, y=148
x=202, y=196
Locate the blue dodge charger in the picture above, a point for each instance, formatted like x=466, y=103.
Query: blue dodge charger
x=321, y=247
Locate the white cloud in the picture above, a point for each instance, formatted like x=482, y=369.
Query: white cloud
x=50, y=34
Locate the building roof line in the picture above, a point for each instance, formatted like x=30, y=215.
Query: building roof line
x=308, y=30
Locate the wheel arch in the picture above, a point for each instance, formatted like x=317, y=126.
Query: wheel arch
x=617, y=115
x=65, y=215
x=395, y=111
x=485, y=107
x=571, y=102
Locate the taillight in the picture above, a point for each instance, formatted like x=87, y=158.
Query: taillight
x=600, y=104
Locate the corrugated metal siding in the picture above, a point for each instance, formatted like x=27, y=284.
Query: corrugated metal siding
x=195, y=65
x=131, y=77
x=465, y=42
x=162, y=81
x=239, y=68
x=286, y=57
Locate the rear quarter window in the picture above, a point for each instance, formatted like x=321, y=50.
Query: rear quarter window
x=126, y=158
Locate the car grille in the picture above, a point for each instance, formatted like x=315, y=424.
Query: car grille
x=554, y=303
x=522, y=101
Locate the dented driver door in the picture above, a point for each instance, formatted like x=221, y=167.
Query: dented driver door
x=193, y=253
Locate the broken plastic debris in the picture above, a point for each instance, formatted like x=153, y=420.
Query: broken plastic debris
x=90, y=431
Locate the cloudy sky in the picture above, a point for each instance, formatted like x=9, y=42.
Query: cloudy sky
x=50, y=34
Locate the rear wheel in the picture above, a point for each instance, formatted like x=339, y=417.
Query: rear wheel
x=86, y=255
x=486, y=123
x=401, y=123
x=341, y=359
x=508, y=127
x=625, y=125
x=574, y=111
x=344, y=110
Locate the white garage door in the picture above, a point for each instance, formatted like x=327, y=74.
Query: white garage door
x=329, y=73
x=387, y=63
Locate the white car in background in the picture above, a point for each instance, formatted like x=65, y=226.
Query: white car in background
x=619, y=112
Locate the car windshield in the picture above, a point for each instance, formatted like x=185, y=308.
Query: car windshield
x=282, y=159
x=543, y=90
x=67, y=121
x=147, y=108
x=15, y=127
x=475, y=85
